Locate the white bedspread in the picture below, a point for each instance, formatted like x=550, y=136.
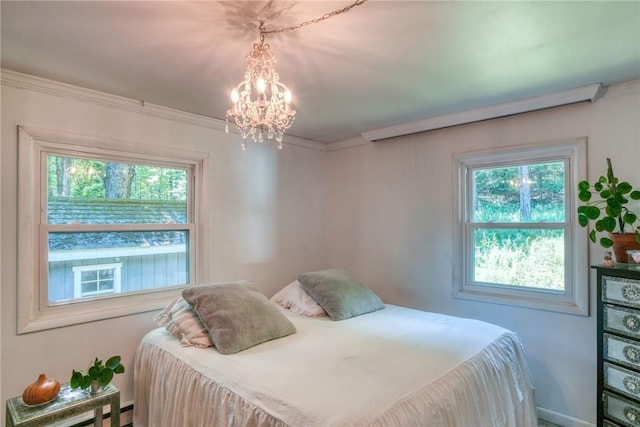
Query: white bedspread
x=393, y=367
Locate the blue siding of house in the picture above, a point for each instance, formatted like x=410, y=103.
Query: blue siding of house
x=138, y=273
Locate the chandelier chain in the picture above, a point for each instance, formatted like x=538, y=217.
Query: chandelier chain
x=311, y=21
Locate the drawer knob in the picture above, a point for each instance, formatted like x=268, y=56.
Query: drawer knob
x=632, y=414
x=632, y=384
x=631, y=292
x=631, y=322
x=631, y=353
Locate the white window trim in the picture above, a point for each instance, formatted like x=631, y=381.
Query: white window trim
x=34, y=312
x=77, y=278
x=575, y=298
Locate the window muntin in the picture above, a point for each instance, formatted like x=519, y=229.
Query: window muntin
x=517, y=237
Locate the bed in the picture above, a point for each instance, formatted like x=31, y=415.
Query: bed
x=393, y=366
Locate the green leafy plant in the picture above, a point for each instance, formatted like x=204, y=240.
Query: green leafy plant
x=98, y=372
x=609, y=211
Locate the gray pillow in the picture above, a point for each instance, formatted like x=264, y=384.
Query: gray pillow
x=237, y=316
x=341, y=295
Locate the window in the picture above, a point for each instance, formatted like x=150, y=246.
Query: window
x=96, y=208
x=517, y=236
x=95, y=280
x=111, y=231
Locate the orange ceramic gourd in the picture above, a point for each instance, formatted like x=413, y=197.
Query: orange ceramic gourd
x=41, y=391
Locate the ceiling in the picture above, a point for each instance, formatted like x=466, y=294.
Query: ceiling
x=383, y=63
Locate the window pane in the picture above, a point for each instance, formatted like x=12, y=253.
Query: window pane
x=106, y=274
x=515, y=194
x=89, y=288
x=90, y=191
x=89, y=276
x=519, y=257
x=150, y=260
x=105, y=286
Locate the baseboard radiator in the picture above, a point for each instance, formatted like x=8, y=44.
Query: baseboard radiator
x=126, y=418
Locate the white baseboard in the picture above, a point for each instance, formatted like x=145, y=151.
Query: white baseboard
x=561, y=419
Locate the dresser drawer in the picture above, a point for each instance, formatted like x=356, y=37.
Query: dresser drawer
x=621, y=319
x=621, y=350
x=621, y=290
x=621, y=410
x=622, y=380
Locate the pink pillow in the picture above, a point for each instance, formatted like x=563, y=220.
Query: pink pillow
x=182, y=322
x=296, y=299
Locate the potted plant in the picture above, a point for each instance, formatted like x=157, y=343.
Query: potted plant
x=610, y=213
x=98, y=375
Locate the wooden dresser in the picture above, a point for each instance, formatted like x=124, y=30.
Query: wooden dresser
x=618, y=346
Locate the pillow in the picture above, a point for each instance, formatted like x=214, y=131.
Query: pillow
x=180, y=320
x=237, y=316
x=341, y=295
x=298, y=301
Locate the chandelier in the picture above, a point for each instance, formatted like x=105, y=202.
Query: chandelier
x=261, y=103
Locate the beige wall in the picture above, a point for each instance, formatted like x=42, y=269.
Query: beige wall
x=390, y=220
x=382, y=210
x=266, y=219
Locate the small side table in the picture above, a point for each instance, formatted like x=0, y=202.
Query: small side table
x=68, y=403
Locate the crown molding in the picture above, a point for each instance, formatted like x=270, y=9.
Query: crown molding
x=52, y=87
x=64, y=90
x=347, y=143
x=571, y=96
x=628, y=88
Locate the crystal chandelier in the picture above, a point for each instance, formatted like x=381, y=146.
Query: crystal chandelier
x=261, y=103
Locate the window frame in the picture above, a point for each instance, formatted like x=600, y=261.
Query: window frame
x=35, y=312
x=575, y=297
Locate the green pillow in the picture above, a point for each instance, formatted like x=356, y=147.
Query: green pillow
x=237, y=316
x=341, y=295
